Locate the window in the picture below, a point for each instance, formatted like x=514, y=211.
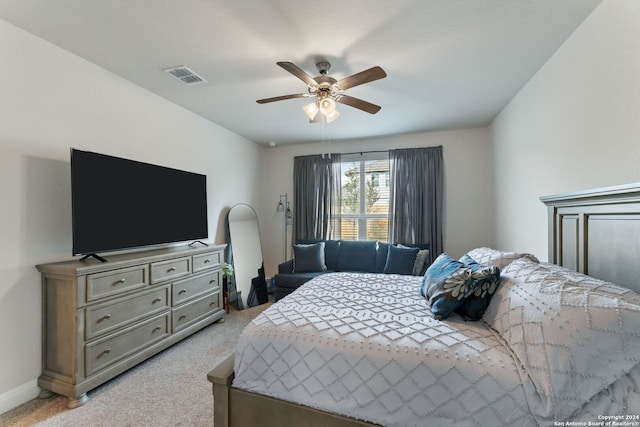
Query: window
x=364, y=204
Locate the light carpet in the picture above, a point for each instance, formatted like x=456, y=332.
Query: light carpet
x=170, y=389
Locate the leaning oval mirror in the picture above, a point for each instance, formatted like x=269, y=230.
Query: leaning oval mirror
x=246, y=250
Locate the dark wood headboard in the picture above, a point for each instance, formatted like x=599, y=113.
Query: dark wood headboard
x=597, y=232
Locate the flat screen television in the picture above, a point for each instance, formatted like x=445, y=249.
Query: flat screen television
x=121, y=204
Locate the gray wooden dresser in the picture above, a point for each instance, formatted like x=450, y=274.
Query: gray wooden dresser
x=100, y=319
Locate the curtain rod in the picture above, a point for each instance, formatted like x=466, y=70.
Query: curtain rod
x=380, y=151
x=362, y=152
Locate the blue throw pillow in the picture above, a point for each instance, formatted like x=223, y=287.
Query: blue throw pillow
x=308, y=258
x=474, y=306
x=421, y=264
x=400, y=260
x=446, y=283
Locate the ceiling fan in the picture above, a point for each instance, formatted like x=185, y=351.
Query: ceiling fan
x=327, y=91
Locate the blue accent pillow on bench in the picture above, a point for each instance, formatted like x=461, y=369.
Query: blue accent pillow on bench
x=400, y=260
x=308, y=258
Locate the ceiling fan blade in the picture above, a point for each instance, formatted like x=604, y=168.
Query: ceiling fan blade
x=298, y=72
x=366, y=76
x=282, y=98
x=358, y=103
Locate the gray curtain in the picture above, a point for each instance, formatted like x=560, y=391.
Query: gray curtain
x=316, y=197
x=417, y=197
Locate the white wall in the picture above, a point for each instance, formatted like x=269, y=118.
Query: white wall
x=574, y=126
x=468, y=201
x=50, y=101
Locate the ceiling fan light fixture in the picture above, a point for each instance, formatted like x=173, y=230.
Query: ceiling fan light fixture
x=328, y=90
x=311, y=110
x=332, y=116
x=327, y=106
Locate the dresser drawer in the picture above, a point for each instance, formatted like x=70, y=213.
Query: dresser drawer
x=192, y=287
x=100, y=285
x=104, y=318
x=115, y=347
x=190, y=313
x=206, y=261
x=170, y=269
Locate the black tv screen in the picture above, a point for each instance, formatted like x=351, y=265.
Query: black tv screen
x=120, y=204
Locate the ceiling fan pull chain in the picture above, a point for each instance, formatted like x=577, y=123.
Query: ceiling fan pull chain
x=322, y=119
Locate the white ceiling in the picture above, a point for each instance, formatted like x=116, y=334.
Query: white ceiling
x=451, y=64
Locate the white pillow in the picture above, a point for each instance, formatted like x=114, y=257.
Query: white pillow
x=500, y=259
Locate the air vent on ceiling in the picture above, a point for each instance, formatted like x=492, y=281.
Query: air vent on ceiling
x=185, y=75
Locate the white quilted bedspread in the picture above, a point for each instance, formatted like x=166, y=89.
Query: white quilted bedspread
x=555, y=347
x=578, y=339
x=366, y=346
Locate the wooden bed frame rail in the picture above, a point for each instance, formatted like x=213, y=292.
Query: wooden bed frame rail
x=233, y=407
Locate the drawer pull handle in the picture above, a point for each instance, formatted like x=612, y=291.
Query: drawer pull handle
x=207, y=261
x=182, y=291
x=172, y=269
x=157, y=328
x=212, y=281
x=182, y=317
x=105, y=351
x=212, y=303
x=156, y=300
x=120, y=281
x=107, y=316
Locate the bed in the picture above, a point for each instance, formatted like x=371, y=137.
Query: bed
x=557, y=343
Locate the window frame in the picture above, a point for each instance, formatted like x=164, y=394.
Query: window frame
x=362, y=217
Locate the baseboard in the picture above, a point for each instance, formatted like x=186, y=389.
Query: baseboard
x=18, y=396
